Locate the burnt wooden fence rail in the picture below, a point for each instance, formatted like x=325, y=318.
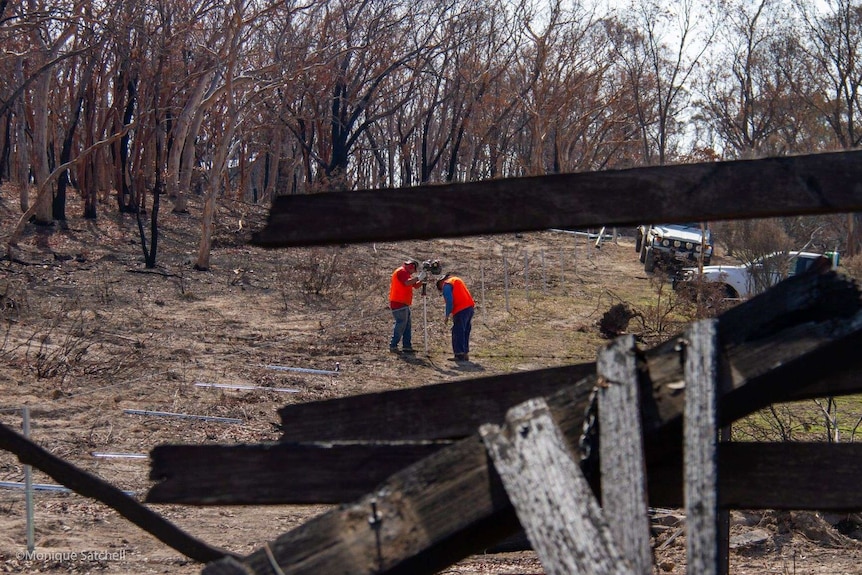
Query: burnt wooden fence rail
x=711, y=191
x=442, y=479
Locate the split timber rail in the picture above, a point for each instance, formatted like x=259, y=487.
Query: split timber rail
x=462, y=465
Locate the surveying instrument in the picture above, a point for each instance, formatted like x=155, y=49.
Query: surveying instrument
x=432, y=269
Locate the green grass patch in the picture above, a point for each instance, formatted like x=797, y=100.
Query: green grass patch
x=812, y=420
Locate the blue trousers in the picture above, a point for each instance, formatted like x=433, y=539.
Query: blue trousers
x=462, y=323
x=403, y=330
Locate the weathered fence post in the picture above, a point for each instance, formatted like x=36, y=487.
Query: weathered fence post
x=623, y=467
x=599, y=237
x=700, y=448
x=551, y=496
x=543, y=480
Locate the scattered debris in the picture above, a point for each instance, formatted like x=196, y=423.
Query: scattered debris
x=616, y=320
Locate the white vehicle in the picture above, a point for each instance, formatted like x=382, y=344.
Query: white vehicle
x=746, y=280
x=672, y=245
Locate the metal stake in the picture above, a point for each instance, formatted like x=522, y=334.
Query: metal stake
x=28, y=488
x=425, y=318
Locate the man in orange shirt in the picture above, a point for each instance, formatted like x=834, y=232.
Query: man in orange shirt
x=460, y=305
x=401, y=287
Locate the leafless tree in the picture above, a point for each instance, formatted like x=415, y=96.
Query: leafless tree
x=456, y=101
x=833, y=43
x=660, y=47
x=358, y=59
x=748, y=101
x=832, y=47
x=49, y=30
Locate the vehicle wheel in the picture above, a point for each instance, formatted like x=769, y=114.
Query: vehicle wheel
x=649, y=260
x=730, y=293
x=639, y=240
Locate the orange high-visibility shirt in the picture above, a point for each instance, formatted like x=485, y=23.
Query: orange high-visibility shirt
x=461, y=298
x=398, y=292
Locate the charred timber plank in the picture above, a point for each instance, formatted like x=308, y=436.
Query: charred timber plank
x=451, y=504
x=750, y=471
x=700, y=441
x=623, y=470
x=783, y=476
x=789, y=185
x=414, y=522
x=809, y=475
x=440, y=411
x=276, y=473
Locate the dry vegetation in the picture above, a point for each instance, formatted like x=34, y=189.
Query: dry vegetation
x=88, y=332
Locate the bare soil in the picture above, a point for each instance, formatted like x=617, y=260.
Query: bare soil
x=88, y=333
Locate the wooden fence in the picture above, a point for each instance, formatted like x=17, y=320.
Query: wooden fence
x=462, y=465
x=794, y=342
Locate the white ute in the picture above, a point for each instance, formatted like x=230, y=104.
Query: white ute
x=746, y=280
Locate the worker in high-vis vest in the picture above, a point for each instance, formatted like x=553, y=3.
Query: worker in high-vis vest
x=404, y=281
x=460, y=307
